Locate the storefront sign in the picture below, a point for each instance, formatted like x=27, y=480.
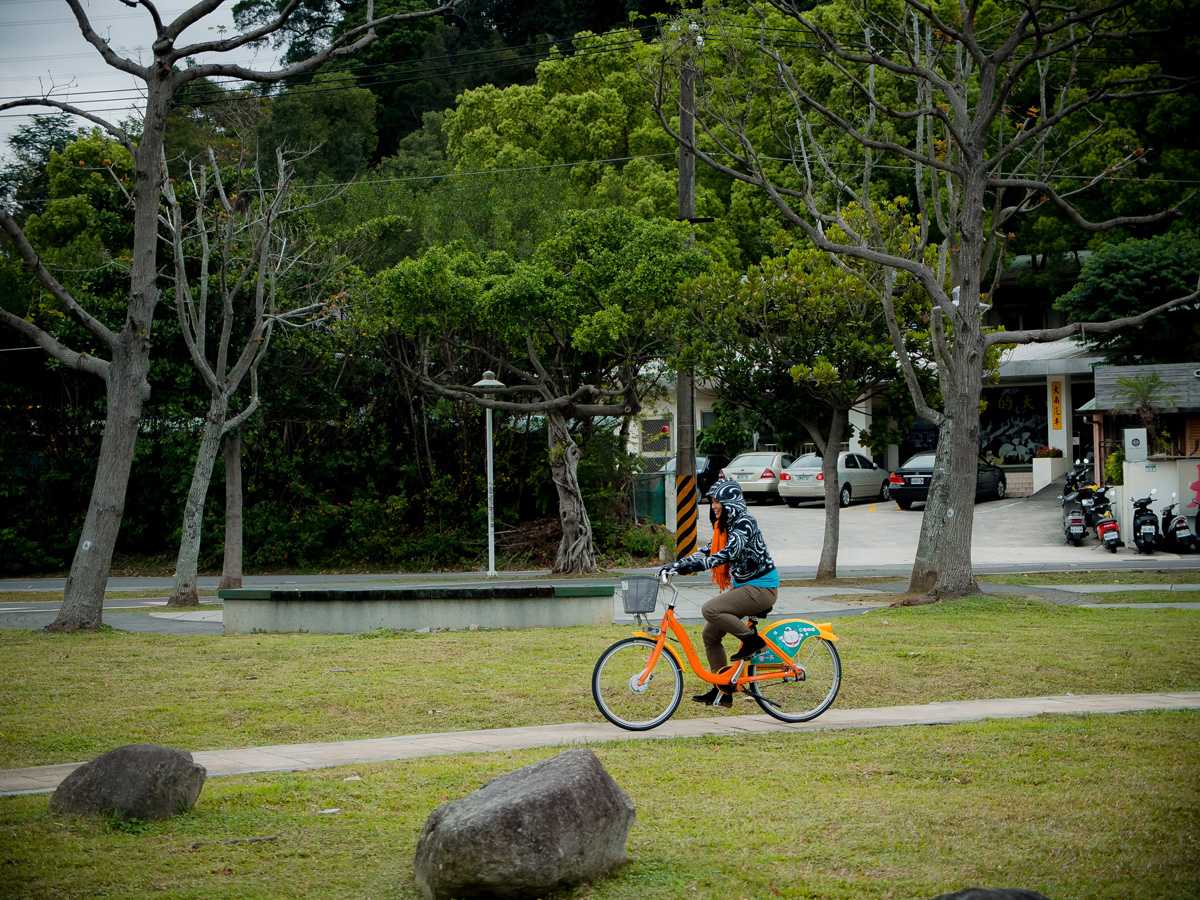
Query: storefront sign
x=1056, y=410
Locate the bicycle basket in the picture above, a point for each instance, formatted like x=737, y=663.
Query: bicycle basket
x=639, y=593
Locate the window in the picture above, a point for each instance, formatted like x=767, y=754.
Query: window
x=864, y=463
x=851, y=461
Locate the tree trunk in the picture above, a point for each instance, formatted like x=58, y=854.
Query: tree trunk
x=231, y=569
x=83, y=597
x=827, y=567
x=955, y=576
x=575, y=551
x=187, y=563
x=925, y=566
x=127, y=387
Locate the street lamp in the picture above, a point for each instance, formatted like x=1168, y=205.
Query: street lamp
x=487, y=384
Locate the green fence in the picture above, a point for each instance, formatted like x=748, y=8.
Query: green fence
x=650, y=498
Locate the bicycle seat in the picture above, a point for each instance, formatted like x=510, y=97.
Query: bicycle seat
x=753, y=620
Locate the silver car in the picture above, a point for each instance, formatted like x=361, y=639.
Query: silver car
x=857, y=477
x=757, y=474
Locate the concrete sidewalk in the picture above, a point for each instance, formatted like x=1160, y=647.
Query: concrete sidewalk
x=297, y=757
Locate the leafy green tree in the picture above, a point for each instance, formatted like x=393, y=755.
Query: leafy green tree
x=23, y=182
x=796, y=339
x=1120, y=280
x=329, y=123
x=570, y=331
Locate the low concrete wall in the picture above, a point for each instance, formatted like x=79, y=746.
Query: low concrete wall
x=356, y=610
x=1047, y=470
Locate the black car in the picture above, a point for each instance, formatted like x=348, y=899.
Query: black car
x=910, y=483
x=708, y=468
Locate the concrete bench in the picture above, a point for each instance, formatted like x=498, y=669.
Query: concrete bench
x=354, y=610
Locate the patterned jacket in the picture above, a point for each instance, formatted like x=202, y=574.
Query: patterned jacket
x=745, y=551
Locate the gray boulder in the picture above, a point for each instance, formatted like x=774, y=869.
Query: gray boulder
x=557, y=822
x=137, y=781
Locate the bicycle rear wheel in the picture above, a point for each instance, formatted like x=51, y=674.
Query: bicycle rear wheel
x=800, y=700
x=624, y=702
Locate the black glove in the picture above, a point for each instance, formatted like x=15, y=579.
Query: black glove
x=665, y=571
x=688, y=566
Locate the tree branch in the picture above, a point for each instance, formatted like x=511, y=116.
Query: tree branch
x=346, y=44
x=1044, y=335
x=1044, y=188
x=84, y=362
x=119, y=133
x=110, y=56
x=33, y=263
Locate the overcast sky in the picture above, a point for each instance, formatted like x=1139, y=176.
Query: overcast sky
x=41, y=48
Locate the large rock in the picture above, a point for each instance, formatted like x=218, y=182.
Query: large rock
x=557, y=822
x=976, y=893
x=137, y=781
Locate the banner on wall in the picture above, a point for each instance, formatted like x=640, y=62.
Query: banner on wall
x=1056, y=411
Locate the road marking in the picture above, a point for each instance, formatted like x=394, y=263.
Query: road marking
x=871, y=507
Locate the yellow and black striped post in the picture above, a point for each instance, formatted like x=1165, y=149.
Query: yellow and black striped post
x=685, y=515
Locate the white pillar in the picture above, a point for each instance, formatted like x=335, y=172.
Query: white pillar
x=1058, y=415
x=860, y=420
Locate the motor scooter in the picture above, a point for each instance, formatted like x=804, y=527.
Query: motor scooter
x=1074, y=520
x=1145, y=524
x=1176, y=535
x=1108, y=530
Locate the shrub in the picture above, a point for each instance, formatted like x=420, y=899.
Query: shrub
x=644, y=540
x=1114, y=468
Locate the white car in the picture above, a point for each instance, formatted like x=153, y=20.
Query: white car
x=857, y=477
x=757, y=474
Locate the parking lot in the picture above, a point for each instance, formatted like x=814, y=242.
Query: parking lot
x=876, y=533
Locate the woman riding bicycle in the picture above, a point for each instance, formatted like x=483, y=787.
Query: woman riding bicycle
x=743, y=569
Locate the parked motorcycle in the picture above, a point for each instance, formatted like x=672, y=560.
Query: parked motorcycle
x=1108, y=530
x=1145, y=524
x=1074, y=519
x=1176, y=535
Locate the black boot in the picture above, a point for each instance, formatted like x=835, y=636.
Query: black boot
x=715, y=696
x=751, y=644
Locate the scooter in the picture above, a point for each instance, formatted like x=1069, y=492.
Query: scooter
x=1145, y=524
x=1108, y=530
x=1177, y=537
x=1074, y=519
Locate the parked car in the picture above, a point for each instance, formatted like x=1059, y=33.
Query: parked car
x=757, y=473
x=708, y=469
x=857, y=477
x=910, y=483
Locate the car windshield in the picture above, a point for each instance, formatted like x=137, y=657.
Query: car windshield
x=807, y=461
x=920, y=461
x=754, y=459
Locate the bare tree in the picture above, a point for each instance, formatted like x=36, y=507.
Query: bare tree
x=935, y=95
x=238, y=250
x=125, y=370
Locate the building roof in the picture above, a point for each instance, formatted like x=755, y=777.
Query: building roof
x=1065, y=357
x=1179, y=386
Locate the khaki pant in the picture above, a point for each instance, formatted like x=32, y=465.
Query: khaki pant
x=723, y=615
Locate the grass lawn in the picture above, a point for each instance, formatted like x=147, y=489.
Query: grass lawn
x=1100, y=806
x=1122, y=576
x=1143, y=597
x=69, y=697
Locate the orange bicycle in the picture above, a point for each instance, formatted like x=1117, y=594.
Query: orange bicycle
x=638, y=682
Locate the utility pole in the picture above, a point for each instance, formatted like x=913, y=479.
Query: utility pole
x=685, y=413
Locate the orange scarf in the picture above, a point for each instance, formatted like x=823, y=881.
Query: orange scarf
x=720, y=574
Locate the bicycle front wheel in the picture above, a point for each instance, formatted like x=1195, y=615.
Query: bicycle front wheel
x=625, y=702
x=798, y=700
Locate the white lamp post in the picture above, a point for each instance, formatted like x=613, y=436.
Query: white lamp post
x=489, y=383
